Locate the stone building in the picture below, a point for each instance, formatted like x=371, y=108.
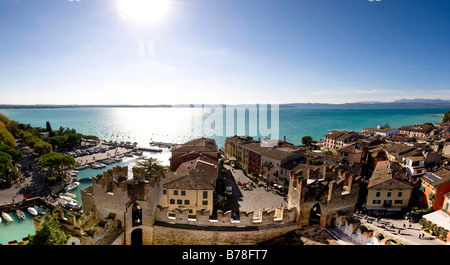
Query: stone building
x=320, y=193
x=131, y=201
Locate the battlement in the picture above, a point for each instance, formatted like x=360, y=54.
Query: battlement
x=111, y=179
x=266, y=217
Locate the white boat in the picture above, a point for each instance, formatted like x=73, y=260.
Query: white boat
x=7, y=217
x=32, y=211
x=72, y=186
x=97, y=165
x=69, y=194
x=67, y=199
x=0, y=220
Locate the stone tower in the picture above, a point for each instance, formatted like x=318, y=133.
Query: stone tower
x=320, y=192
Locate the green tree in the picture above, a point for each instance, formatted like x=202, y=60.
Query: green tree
x=151, y=164
x=446, y=117
x=307, y=140
x=49, y=233
x=16, y=155
x=58, y=163
x=5, y=164
x=48, y=127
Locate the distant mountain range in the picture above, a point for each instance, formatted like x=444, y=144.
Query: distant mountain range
x=401, y=103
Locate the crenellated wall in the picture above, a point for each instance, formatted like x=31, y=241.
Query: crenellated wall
x=268, y=217
x=330, y=189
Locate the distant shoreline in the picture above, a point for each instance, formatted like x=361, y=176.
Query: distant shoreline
x=284, y=105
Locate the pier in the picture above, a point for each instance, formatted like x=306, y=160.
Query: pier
x=146, y=149
x=163, y=144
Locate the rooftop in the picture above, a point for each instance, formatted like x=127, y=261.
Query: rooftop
x=437, y=177
x=383, y=177
x=189, y=180
x=199, y=144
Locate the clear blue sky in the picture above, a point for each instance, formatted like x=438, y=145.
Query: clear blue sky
x=223, y=51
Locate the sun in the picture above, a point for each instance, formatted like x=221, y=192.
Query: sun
x=143, y=11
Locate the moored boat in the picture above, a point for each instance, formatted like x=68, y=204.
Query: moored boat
x=32, y=211
x=85, y=179
x=20, y=214
x=69, y=194
x=67, y=199
x=72, y=186
x=81, y=167
x=7, y=217
x=40, y=210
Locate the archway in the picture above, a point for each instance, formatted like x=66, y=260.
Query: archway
x=136, y=237
x=314, y=214
x=136, y=215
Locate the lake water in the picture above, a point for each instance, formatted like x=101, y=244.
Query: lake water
x=178, y=125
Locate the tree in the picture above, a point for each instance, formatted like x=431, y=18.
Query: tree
x=307, y=140
x=5, y=165
x=48, y=127
x=16, y=155
x=49, y=233
x=151, y=164
x=58, y=163
x=446, y=117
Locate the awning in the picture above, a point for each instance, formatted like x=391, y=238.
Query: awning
x=421, y=188
x=431, y=195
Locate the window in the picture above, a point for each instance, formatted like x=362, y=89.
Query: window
x=164, y=191
x=183, y=193
x=205, y=195
x=446, y=206
x=175, y=192
x=172, y=201
x=398, y=201
x=378, y=194
x=179, y=201
x=399, y=194
x=376, y=202
x=204, y=202
x=389, y=194
x=186, y=202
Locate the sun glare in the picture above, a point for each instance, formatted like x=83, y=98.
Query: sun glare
x=143, y=11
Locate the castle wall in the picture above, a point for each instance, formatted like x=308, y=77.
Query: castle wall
x=273, y=217
x=177, y=236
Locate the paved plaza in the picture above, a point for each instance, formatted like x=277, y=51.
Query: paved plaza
x=251, y=200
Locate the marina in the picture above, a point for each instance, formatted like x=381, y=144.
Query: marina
x=13, y=229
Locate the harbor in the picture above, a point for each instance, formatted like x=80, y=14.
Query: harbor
x=17, y=231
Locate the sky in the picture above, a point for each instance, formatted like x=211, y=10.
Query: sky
x=223, y=51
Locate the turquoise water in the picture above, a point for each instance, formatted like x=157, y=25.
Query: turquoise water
x=16, y=230
x=181, y=124
x=178, y=125
x=20, y=229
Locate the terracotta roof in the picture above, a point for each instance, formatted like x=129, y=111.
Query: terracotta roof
x=201, y=164
x=279, y=153
x=256, y=147
x=394, y=148
x=382, y=178
x=437, y=177
x=417, y=128
x=190, y=180
x=199, y=144
x=334, y=134
x=351, y=149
